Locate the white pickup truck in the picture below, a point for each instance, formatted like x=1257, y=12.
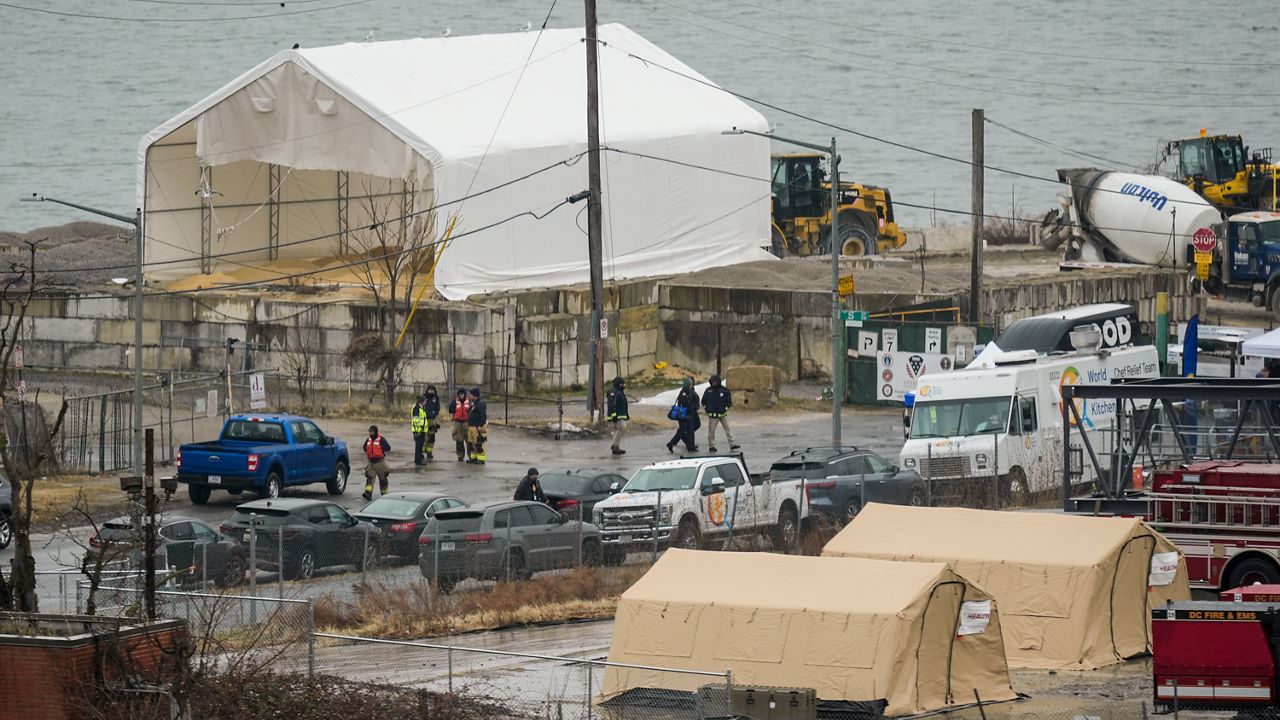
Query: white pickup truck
x=697, y=503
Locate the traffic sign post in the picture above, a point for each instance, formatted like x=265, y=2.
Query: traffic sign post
x=846, y=285
x=1204, y=241
x=854, y=318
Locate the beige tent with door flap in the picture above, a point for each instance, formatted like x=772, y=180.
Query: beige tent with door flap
x=1074, y=592
x=914, y=635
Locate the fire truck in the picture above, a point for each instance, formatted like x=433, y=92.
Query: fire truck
x=1225, y=517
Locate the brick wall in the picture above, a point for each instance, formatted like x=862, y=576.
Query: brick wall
x=48, y=676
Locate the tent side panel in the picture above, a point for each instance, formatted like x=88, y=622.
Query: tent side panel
x=978, y=660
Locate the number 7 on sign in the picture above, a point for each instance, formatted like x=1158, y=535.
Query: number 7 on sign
x=889, y=340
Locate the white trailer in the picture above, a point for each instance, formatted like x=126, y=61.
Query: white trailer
x=1005, y=422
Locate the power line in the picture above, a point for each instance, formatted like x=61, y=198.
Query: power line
x=88, y=16
x=569, y=161
x=1018, y=51
x=1062, y=148
x=934, y=68
x=874, y=138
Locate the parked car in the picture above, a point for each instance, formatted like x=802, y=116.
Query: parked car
x=699, y=502
x=502, y=540
x=6, y=512
x=183, y=545
x=309, y=534
x=839, y=481
x=400, y=518
x=576, y=492
x=263, y=453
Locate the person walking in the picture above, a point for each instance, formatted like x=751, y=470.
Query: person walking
x=376, y=448
x=477, y=427
x=717, y=400
x=431, y=398
x=459, y=409
x=687, y=426
x=418, y=426
x=616, y=404
x=529, y=487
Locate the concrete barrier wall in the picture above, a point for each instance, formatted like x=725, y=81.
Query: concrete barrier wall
x=545, y=335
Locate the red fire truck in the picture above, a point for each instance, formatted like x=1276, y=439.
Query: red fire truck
x=1225, y=518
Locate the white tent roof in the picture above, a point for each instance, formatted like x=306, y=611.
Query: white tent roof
x=1266, y=345
x=429, y=110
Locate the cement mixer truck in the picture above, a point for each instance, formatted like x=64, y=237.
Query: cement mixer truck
x=1107, y=218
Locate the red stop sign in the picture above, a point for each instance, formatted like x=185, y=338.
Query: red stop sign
x=1204, y=240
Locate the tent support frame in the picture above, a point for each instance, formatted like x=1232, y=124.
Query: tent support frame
x=344, y=197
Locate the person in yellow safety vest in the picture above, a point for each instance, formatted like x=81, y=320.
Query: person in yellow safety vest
x=616, y=402
x=418, y=426
x=459, y=409
x=477, y=428
x=376, y=448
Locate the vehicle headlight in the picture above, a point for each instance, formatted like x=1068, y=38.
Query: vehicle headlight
x=909, y=462
x=597, y=516
x=664, y=515
x=981, y=458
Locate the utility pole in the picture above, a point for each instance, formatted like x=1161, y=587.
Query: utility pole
x=975, y=263
x=837, y=326
x=149, y=527
x=595, y=395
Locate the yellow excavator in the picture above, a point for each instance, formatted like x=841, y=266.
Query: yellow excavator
x=1221, y=169
x=802, y=211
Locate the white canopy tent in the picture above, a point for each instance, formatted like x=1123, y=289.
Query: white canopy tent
x=1266, y=345
x=289, y=160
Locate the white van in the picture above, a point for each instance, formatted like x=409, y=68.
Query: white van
x=1006, y=421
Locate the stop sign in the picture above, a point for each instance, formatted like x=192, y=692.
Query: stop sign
x=1204, y=240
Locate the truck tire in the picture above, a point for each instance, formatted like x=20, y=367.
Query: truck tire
x=591, y=556
x=271, y=490
x=1253, y=570
x=513, y=566
x=851, y=510
x=6, y=531
x=1273, y=299
x=199, y=494
x=1018, y=493
x=688, y=537
x=446, y=584
x=232, y=572
x=338, y=483
x=855, y=240
x=235, y=491
x=786, y=534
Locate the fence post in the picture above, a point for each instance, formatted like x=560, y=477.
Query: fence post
x=995, y=471
x=589, y=691
x=364, y=558
x=311, y=637
x=560, y=394
x=253, y=567
x=204, y=566
x=102, y=436
x=928, y=475
x=657, y=516
x=78, y=598
x=280, y=563
x=450, y=652
x=728, y=691
x=435, y=569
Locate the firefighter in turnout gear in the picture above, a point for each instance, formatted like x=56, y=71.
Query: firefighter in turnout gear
x=477, y=428
x=616, y=404
x=376, y=448
x=432, y=406
x=459, y=409
x=716, y=401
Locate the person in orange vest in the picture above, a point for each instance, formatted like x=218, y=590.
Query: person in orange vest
x=376, y=448
x=460, y=409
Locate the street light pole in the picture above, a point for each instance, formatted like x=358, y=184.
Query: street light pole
x=136, y=222
x=833, y=236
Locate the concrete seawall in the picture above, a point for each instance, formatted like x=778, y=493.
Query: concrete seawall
x=544, y=334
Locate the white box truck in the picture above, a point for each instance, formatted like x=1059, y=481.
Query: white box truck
x=1005, y=422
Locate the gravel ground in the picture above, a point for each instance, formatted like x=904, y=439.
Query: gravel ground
x=77, y=255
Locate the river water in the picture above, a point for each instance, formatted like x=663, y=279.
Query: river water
x=1111, y=79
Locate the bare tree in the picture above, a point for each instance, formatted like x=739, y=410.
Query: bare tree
x=396, y=252
x=300, y=362
x=18, y=287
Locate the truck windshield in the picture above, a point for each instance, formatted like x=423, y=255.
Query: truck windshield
x=652, y=479
x=958, y=418
x=265, y=432
x=1269, y=232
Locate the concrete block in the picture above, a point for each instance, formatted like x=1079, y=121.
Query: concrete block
x=694, y=297
x=467, y=322
x=638, y=292
x=99, y=307
x=431, y=320
x=336, y=317
x=640, y=317
x=751, y=301
x=226, y=310
x=289, y=313
x=335, y=341
x=167, y=307
x=642, y=345
x=54, y=307
x=46, y=353
x=93, y=356
x=755, y=399
x=112, y=332
x=810, y=304
x=754, y=377
x=64, y=329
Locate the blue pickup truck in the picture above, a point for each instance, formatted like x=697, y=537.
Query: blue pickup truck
x=263, y=453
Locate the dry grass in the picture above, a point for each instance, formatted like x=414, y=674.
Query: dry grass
x=54, y=498
x=415, y=611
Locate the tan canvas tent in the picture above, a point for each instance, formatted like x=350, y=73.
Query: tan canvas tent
x=1074, y=592
x=915, y=635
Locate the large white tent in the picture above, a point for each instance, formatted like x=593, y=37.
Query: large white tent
x=286, y=162
x=1266, y=345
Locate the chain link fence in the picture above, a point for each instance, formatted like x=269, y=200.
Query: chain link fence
x=528, y=685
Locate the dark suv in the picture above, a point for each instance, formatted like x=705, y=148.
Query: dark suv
x=184, y=545
x=840, y=480
x=310, y=534
x=509, y=540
